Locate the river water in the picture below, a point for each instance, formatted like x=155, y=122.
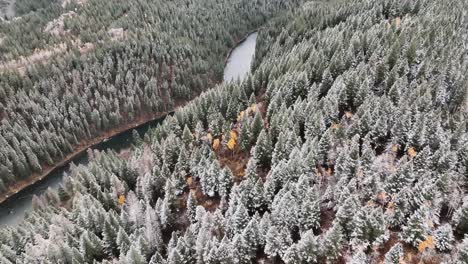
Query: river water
x=13, y=210
x=238, y=63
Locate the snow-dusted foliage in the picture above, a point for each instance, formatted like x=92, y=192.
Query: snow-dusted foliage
x=347, y=143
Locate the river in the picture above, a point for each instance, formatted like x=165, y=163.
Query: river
x=7, y=9
x=240, y=59
x=14, y=209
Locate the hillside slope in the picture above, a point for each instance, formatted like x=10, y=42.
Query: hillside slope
x=347, y=144
x=93, y=67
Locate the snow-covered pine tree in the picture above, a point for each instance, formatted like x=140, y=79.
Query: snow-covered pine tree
x=277, y=242
x=309, y=213
x=444, y=238
x=332, y=242
x=416, y=229
x=263, y=149
x=256, y=126
x=394, y=255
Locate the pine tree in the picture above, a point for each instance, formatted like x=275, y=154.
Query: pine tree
x=256, y=127
x=191, y=208
x=240, y=218
x=123, y=241
x=187, y=136
x=332, y=242
x=280, y=151
x=345, y=214
x=277, y=242
x=460, y=218
x=240, y=250
x=309, y=214
x=292, y=255
x=359, y=257
x=157, y=259
x=369, y=226
x=305, y=251
x=394, y=255
x=416, y=230
x=225, y=182
x=134, y=256
x=285, y=211
x=443, y=237
x=251, y=235
x=166, y=214
x=109, y=236
x=245, y=135
x=91, y=246
x=463, y=250
x=263, y=149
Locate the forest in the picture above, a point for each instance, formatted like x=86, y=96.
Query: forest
x=113, y=63
x=347, y=143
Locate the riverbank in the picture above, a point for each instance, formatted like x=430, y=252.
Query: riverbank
x=85, y=145
x=80, y=149
x=237, y=44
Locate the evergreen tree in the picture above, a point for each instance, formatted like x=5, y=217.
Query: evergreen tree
x=109, y=235
x=460, y=218
x=463, y=251
x=305, y=251
x=277, y=242
x=359, y=257
x=134, y=256
x=332, y=243
x=240, y=218
x=263, y=149
x=123, y=241
x=416, y=230
x=394, y=255
x=91, y=246
x=245, y=135
x=309, y=214
x=345, y=214
x=369, y=226
x=256, y=127
x=443, y=237
x=157, y=259
x=191, y=208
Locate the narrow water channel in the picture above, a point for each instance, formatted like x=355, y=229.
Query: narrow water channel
x=238, y=63
x=13, y=210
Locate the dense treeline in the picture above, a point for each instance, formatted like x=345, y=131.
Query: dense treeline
x=15, y=43
x=23, y=7
x=347, y=143
x=167, y=52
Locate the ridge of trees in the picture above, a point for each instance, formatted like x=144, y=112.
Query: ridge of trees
x=173, y=52
x=346, y=144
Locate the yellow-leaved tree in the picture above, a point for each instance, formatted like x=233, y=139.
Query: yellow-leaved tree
x=216, y=144
x=428, y=243
x=233, y=135
x=412, y=152
x=231, y=144
x=121, y=199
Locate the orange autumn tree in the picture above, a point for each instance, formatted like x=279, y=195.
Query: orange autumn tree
x=216, y=144
x=232, y=140
x=231, y=144
x=121, y=199
x=428, y=243
x=412, y=152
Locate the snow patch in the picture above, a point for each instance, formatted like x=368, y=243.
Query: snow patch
x=79, y=2
x=117, y=33
x=57, y=26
